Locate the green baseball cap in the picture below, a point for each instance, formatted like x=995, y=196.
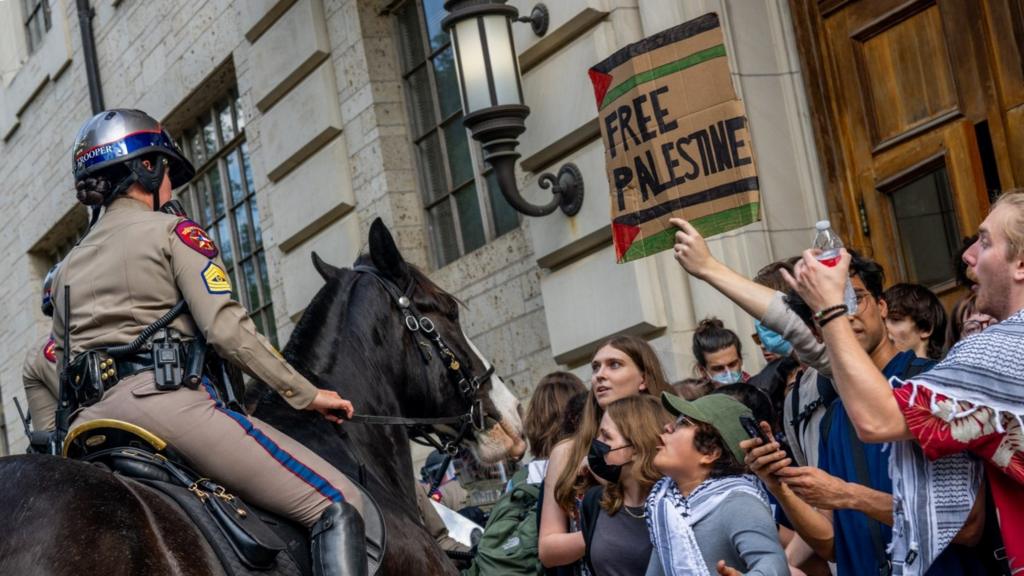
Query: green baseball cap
x=720, y=411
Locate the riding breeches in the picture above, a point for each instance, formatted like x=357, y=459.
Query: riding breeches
x=259, y=463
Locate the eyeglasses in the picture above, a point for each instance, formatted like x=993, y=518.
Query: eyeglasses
x=681, y=422
x=861, y=297
x=972, y=327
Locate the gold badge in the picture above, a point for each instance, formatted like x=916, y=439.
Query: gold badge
x=216, y=279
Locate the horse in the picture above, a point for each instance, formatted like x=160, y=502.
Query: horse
x=355, y=337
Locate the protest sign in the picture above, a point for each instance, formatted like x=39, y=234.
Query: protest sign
x=676, y=139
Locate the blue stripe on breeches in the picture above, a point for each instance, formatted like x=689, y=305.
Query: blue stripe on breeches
x=285, y=459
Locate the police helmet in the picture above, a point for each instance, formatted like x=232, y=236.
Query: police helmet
x=48, y=290
x=431, y=466
x=120, y=136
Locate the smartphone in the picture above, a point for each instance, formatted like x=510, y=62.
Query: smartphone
x=754, y=431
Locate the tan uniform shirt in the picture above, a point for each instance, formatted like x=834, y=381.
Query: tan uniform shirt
x=39, y=375
x=136, y=264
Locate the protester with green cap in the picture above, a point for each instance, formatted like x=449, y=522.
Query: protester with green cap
x=706, y=514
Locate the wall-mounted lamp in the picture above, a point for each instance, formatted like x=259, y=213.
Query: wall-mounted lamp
x=492, y=97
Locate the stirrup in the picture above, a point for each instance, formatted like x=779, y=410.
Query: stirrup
x=339, y=542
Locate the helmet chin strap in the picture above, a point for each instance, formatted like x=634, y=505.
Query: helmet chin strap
x=150, y=180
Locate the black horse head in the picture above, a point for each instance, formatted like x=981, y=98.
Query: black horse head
x=401, y=336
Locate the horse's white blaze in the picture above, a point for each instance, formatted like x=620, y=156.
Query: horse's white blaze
x=492, y=445
x=503, y=398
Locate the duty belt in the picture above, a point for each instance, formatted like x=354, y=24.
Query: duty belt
x=132, y=365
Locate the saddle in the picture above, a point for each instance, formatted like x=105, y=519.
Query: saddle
x=247, y=540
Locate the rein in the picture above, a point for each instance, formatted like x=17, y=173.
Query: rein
x=422, y=430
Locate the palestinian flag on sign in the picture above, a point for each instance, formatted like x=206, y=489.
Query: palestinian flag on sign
x=676, y=138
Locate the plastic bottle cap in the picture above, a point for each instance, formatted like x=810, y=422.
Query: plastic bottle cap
x=822, y=225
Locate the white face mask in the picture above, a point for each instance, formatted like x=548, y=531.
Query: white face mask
x=728, y=377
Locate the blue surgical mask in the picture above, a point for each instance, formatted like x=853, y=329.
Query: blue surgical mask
x=728, y=377
x=772, y=340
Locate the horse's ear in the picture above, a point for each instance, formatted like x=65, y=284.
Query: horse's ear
x=326, y=270
x=384, y=253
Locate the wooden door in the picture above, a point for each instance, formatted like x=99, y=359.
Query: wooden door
x=917, y=107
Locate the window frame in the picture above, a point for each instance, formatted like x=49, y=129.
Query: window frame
x=32, y=9
x=224, y=149
x=481, y=171
x=947, y=212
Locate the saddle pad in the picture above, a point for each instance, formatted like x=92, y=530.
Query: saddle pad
x=294, y=561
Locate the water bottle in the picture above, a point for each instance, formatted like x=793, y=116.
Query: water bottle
x=829, y=243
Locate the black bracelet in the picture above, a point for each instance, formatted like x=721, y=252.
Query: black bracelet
x=827, y=319
x=821, y=313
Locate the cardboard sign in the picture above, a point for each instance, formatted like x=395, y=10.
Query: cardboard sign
x=676, y=139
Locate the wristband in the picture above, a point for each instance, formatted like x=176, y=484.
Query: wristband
x=825, y=311
x=838, y=313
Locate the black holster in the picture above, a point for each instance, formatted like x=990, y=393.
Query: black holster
x=226, y=380
x=88, y=376
x=195, y=362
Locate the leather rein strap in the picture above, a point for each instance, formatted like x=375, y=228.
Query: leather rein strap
x=468, y=385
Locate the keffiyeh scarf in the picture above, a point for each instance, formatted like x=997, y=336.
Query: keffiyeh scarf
x=931, y=501
x=671, y=517
x=977, y=392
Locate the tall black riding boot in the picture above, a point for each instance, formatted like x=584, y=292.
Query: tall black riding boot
x=339, y=542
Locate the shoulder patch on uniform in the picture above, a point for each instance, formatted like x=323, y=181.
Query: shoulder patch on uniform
x=49, y=350
x=215, y=279
x=196, y=238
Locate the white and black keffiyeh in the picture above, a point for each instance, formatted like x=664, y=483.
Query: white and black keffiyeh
x=931, y=501
x=671, y=516
x=981, y=382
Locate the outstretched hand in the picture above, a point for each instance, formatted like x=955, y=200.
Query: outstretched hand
x=820, y=286
x=691, y=250
x=329, y=403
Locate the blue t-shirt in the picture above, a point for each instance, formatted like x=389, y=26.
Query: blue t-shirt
x=855, y=550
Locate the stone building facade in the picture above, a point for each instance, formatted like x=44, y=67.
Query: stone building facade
x=309, y=118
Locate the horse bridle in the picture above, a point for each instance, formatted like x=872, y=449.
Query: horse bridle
x=421, y=327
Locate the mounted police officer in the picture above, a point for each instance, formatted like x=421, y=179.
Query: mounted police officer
x=39, y=373
x=134, y=265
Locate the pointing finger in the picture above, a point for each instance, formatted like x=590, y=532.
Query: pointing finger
x=683, y=225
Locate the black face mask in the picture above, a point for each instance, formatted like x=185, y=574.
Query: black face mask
x=598, y=465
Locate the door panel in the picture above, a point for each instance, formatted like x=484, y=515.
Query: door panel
x=929, y=192
x=1005, y=19
x=904, y=73
x=902, y=89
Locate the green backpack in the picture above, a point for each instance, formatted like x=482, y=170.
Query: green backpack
x=509, y=543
